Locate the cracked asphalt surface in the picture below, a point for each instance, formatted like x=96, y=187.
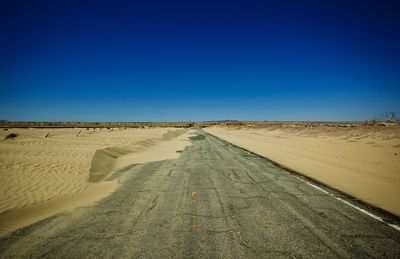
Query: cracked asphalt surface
x=217, y=201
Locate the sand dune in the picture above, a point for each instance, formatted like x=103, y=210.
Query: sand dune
x=361, y=161
x=40, y=175
x=106, y=160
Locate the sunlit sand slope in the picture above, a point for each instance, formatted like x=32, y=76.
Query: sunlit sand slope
x=361, y=161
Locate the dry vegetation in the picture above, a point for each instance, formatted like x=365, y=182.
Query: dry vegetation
x=334, y=129
x=10, y=136
x=30, y=124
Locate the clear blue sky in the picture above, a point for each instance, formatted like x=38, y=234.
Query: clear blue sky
x=198, y=60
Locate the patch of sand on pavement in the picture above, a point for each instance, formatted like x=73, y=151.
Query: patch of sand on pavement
x=46, y=171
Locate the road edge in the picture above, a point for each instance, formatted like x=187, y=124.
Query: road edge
x=384, y=216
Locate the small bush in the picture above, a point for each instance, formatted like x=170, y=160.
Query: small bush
x=11, y=136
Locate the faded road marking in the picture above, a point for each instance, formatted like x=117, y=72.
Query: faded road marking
x=397, y=227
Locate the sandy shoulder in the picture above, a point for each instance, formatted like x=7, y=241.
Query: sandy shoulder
x=363, y=163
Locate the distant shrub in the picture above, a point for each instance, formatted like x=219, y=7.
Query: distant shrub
x=390, y=116
x=11, y=136
x=5, y=129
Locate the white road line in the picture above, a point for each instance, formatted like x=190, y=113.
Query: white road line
x=394, y=226
x=314, y=186
x=397, y=227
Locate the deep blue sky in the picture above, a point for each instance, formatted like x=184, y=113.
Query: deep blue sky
x=198, y=60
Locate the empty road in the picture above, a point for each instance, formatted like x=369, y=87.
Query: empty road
x=216, y=201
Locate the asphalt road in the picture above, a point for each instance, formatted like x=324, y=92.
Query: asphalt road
x=216, y=201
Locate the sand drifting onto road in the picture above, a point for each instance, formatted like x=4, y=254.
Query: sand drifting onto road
x=362, y=161
x=46, y=171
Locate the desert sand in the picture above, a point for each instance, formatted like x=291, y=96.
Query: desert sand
x=46, y=171
x=360, y=160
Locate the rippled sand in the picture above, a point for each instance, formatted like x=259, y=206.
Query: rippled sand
x=42, y=169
